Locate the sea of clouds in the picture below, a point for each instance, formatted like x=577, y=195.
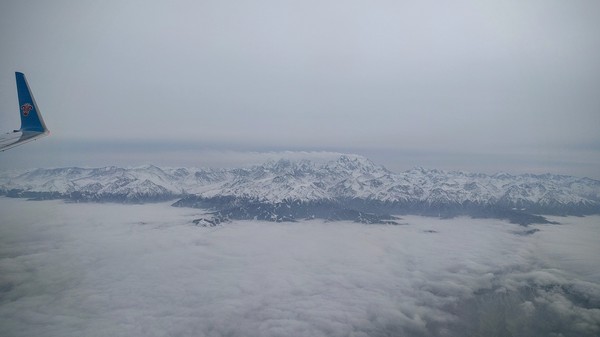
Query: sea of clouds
x=147, y=270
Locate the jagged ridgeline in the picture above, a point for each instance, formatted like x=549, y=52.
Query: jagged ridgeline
x=347, y=188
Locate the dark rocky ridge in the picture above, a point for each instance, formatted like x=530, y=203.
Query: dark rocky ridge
x=349, y=188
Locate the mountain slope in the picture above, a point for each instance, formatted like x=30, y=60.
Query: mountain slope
x=349, y=187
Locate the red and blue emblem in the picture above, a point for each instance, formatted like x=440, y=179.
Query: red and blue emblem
x=26, y=108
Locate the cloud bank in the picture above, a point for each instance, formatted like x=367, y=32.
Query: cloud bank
x=145, y=270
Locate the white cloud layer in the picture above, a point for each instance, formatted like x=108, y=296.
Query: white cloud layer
x=145, y=270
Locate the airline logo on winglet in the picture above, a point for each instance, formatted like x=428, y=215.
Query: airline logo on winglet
x=25, y=108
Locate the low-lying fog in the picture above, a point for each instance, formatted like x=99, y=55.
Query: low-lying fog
x=146, y=270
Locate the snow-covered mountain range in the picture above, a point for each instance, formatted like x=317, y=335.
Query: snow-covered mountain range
x=351, y=187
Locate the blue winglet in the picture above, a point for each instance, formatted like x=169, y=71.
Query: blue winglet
x=31, y=120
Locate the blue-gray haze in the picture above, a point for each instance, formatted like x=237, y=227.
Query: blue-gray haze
x=477, y=86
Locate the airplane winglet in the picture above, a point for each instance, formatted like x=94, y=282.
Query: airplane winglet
x=31, y=119
x=32, y=124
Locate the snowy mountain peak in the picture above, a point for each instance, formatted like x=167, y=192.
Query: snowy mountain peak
x=286, y=166
x=349, y=181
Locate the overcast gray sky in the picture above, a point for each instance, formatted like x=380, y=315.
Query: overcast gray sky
x=472, y=85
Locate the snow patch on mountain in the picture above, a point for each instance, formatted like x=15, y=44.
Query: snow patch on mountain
x=349, y=182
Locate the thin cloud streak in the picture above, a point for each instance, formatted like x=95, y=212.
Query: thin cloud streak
x=56, y=152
